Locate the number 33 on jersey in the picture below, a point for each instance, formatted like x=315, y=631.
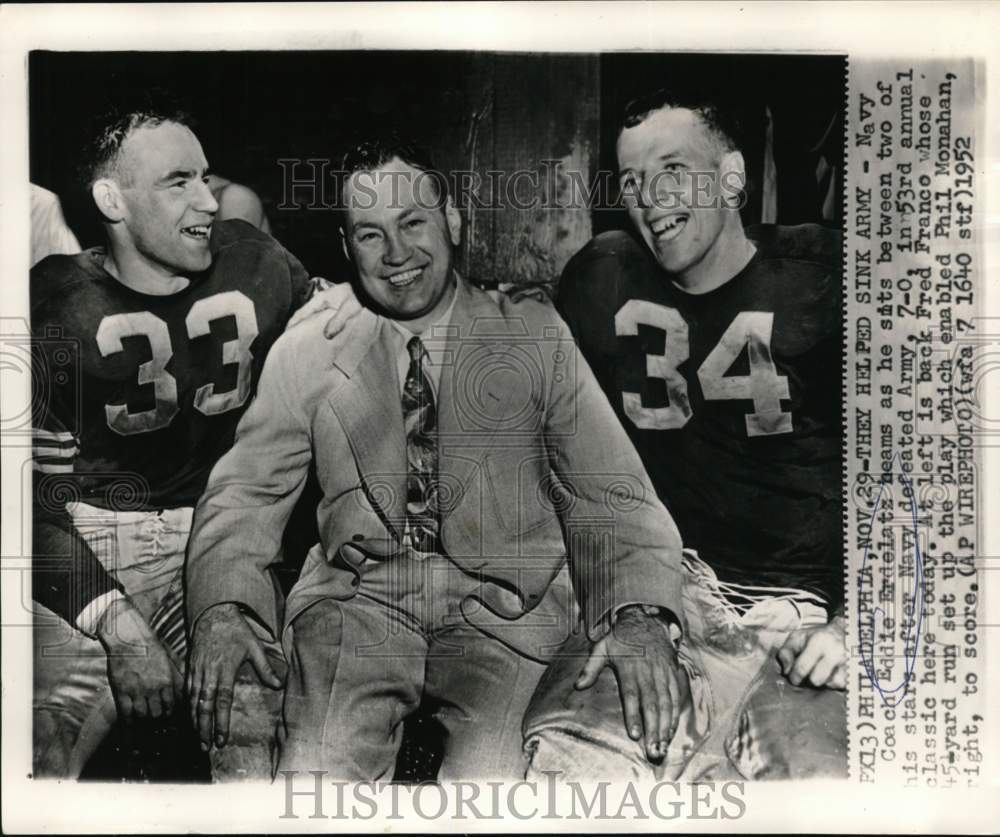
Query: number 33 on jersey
x=114, y=328
x=156, y=384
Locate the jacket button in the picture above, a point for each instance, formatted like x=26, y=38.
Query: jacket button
x=358, y=537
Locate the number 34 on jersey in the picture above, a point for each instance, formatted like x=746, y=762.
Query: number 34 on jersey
x=763, y=386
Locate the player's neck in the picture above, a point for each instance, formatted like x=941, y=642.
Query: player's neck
x=138, y=273
x=731, y=253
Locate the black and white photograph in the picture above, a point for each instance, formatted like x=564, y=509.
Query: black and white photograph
x=482, y=427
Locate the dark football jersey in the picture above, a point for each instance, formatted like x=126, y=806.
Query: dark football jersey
x=137, y=396
x=733, y=397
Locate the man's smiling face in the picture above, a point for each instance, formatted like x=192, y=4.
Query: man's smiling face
x=168, y=207
x=400, y=237
x=659, y=159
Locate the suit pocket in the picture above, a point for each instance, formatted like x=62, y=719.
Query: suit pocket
x=519, y=486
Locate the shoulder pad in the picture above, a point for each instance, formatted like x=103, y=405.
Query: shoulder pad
x=615, y=246
x=616, y=243
x=53, y=273
x=232, y=230
x=805, y=242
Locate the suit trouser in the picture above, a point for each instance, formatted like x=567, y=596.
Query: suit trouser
x=359, y=667
x=739, y=719
x=74, y=708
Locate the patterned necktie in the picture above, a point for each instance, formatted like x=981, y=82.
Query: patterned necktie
x=420, y=423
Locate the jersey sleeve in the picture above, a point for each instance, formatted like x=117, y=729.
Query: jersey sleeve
x=66, y=575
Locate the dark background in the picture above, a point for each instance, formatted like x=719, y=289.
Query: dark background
x=473, y=111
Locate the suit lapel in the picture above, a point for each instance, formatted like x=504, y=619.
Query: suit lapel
x=368, y=408
x=471, y=405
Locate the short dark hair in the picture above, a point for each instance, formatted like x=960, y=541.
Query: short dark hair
x=719, y=117
x=372, y=153
x=113, y=125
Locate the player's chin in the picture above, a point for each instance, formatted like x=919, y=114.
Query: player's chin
x=196, y=262
x=196, y=256
x=670, y=259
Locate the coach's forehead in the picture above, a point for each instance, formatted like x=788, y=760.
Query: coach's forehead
x=152, y=152
x=393, y=185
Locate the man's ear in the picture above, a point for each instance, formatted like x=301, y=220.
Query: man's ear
x=733, y=177
x=454, y=219
x=108, y=198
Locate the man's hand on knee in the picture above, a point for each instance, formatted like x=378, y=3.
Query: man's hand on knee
x=222, y=641
x=144, y=678
x=641, y=653
x=817, y=656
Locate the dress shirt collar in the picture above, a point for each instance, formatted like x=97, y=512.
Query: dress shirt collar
x=433, y=337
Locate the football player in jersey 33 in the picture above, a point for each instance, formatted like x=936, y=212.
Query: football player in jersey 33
x=154, y=345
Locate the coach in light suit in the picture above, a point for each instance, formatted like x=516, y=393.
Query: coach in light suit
x=464, y=451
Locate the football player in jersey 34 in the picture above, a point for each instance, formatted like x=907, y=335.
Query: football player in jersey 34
x=720, y=349
x=159, y=339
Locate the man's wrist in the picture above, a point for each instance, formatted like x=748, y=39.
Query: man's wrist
x=106, y=628
x=221, y=612
x=89, y=619
x=663, y=615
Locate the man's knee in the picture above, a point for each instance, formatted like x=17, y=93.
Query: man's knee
x=790, y=732
x=318, y=627
x=249, y=752
x=73, y=704
x=64, y=738
x=55, y=735
x=579, y=732
x=312, y=648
